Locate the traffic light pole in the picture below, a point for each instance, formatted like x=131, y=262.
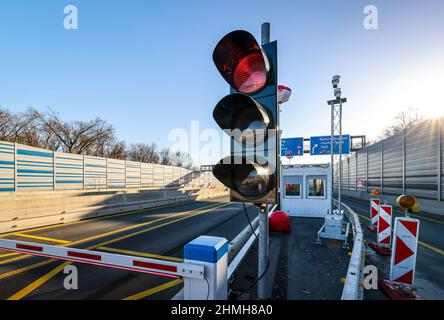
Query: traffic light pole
x=332, y=156
x=251, y=71
x=262, y=291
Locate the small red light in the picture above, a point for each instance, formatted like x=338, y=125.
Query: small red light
x=250, y=74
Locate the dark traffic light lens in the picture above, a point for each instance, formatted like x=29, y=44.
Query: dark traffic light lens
x=250, y=180
x=251, y=184
x=240, y=112
x=250, y=74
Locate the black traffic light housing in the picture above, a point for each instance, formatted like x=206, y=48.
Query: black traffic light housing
x=251, y=108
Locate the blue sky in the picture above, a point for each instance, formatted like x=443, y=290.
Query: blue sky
x=146, y=67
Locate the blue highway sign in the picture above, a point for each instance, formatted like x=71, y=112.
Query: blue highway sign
x=292, y=147
x=322, y=145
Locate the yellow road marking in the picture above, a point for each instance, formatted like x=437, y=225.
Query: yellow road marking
x=23, y=235
x=9, y=254
x=426, y=245
x=21, y=257
x=17, y=271
x=428, y=219
x=25, y=291
x=89, y=220
x=154, y=290
x=416, y=217
x=153, y=228
x=34, y=285
x=368, y=219
x=140, y=254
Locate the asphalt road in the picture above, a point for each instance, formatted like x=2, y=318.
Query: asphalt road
x=152, y=233
x=429, y=279
x=162, y=233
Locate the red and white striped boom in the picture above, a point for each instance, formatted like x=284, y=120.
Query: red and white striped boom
x=117, y=261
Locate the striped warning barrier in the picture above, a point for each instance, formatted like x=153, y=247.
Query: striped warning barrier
x=385, y=225
x=405, y=244
x=374, y=214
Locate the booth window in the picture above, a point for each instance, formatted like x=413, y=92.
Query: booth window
x=293, y=186
x=316, y=186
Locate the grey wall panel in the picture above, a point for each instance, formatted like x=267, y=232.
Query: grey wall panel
x=95, y=173
x=158, y=175
x=352, y=173
x=68, y=171
x=7, y=166
x=147, y=174
x=35, y=168
x=362, y=167
x=116, y=173
x=133, y=174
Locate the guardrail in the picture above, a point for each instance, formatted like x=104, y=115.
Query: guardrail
x=352, y=288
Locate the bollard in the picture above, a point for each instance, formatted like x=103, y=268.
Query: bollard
x=212, y=253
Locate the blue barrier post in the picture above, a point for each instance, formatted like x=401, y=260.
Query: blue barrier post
x=212, y=253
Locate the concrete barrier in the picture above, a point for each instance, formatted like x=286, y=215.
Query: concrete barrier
x=24, y=210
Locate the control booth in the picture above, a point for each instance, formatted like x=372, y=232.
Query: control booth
x=306, y=190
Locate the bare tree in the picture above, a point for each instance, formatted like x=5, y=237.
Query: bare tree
x=6, y=124
x=80, y=137
x=96, y=138
x=116, y=150
x=12, y=127
x=165, y=157
x=403, y=120
x=143, y=153
x=181, y=159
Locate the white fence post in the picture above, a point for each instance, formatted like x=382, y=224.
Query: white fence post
x=212, y=253
x=15, y=168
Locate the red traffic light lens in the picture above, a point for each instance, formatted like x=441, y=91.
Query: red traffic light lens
x=250, y=74
x=241, y=62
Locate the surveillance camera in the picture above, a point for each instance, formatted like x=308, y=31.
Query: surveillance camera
x=338, y=93
x=335, y=81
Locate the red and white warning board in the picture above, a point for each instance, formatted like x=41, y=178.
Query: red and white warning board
x=374, y=211
x=385, y=225
x=405, y=245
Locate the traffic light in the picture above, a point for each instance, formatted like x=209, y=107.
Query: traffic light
x=249, y=115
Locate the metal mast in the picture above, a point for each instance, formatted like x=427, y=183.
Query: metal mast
x=336, y=133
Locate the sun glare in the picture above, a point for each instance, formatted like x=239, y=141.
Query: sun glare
x=421, y=89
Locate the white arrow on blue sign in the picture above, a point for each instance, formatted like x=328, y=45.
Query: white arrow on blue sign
x=322, y=145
